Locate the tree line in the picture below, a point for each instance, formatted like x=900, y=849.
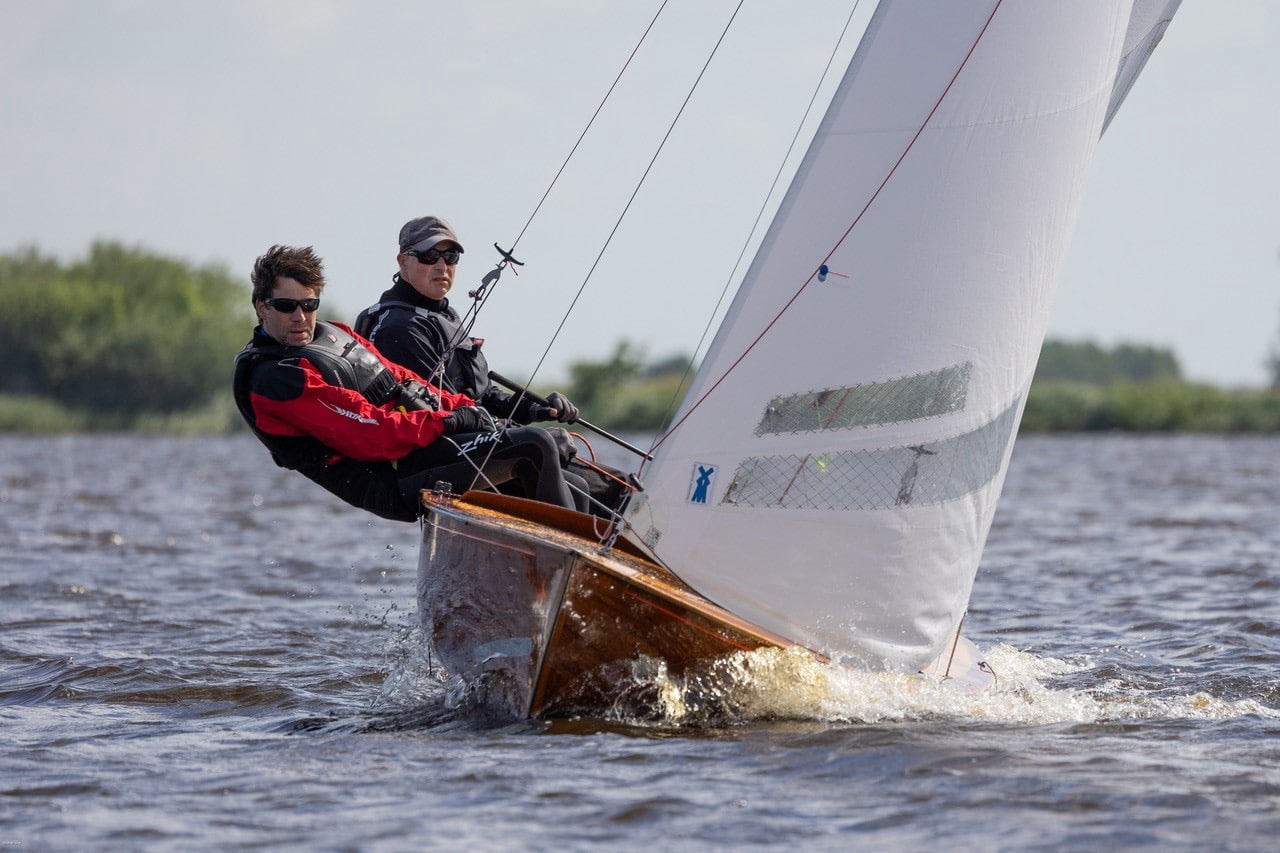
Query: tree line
x=122, y=332
x=125, y=338
x=1082, y=387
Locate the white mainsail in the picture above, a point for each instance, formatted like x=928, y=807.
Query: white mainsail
x=834, y=471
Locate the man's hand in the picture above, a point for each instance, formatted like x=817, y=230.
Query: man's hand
x=468, y=419
x=566, y=412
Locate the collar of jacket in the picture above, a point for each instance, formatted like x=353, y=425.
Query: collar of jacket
x=404, y=292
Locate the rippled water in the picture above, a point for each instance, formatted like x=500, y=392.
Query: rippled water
x=198, y=650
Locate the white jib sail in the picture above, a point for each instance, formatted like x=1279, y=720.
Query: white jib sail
x=1147, y=23
x=834, y=471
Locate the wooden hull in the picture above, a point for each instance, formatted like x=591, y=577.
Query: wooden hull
x=518, y=600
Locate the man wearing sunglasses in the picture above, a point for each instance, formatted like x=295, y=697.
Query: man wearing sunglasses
x=413, y=325
x=327, y=404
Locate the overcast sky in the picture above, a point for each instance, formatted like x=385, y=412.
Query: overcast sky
x=210, y=129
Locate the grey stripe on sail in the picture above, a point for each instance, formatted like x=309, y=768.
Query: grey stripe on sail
x=911, y=398
x=911, y=475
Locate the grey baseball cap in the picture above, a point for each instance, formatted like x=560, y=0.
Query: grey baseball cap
x=425, y=232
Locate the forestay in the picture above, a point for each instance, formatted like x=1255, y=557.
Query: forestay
x=833, y=473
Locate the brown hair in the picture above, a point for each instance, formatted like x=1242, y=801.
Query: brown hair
x=302, y=265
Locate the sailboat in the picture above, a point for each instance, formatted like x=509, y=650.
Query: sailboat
x=828, y=483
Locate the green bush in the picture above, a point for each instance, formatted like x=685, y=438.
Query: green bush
x=1088, y=362
x=622, y=393
x=1062, y=407
x=642, y=405
x=123, y=332
x=30, y=414
x=1164, y=406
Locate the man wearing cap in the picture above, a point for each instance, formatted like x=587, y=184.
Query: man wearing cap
x=413, y=325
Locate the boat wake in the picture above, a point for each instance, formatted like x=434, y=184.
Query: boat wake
x=1030, y=691
x=770, y=685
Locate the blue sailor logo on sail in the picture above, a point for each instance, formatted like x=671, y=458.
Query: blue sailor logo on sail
x=701, y=482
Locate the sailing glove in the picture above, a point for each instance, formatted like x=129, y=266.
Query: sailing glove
x=565, y=447
x=566, y=412
x=468, y=419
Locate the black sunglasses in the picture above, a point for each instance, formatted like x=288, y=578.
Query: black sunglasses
x=430, y=256
x=288, y=306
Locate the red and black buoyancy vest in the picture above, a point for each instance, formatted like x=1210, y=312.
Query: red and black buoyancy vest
x=343, y=362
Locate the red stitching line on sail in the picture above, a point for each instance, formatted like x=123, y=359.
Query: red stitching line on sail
x=907, y=150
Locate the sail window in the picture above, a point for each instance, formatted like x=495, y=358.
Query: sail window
x=913, y=475
x=911, y=398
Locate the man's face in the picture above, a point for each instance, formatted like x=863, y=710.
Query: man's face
x=428, y=272
x=295, y=327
